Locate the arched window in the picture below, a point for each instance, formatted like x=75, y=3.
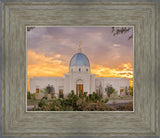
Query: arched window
x=79, y=69
x=61, y=93
x=37, y=90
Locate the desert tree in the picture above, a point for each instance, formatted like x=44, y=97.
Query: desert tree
x=122, y=30
x=30, y=28
x=109, y=90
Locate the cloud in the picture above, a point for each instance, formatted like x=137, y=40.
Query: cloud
x=116, y=45
x=55, y=39
x=41, y=65
x=51, y=48
x=103, y=71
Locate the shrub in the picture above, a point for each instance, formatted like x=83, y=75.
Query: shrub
x=61, y=95
x=42, y=103
x=126, y=90
x=106, y=100
x=97, y=97
x=33, y=96
x=73, y=102
x=85, y=94
x=90, y=95
x=131, y=90
x=129, y=106
x=109, y=90
x=100, y=106
x=28, y=95
x=80, y=94
x=69, y=108
x=36, y=109
x=45, y=98
x=126, y=107
x=56, y=105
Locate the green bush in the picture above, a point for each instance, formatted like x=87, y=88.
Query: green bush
x=33, y=96
x=35, y=109
x=109, y=90
x=45, y=98
x=106, y=100
x=85, y=94
x=73, y=102
x=80, y=94
x=28, y=95
x=42, y=103
x=99, y=106
x=69, y=108
x=61, y=95
x=131, y=90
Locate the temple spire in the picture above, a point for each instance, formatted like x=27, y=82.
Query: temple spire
x=79, y=46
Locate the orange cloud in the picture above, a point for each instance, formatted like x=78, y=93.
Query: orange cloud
x=123, y=70
x=41, y=65
x=116, y=45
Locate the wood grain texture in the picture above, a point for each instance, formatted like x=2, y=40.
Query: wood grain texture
x=143, y=16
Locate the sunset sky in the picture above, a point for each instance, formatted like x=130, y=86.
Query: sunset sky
x=51, y=48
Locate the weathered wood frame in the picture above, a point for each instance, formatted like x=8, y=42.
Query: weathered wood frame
x=142, y=122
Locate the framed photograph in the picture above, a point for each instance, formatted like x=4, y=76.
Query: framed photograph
x=64, y=77
x=80, y=69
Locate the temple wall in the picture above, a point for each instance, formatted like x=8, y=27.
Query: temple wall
x=42, y=82
x=69, y=81
x=117, y=83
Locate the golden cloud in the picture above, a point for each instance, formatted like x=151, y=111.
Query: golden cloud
x=38, y=64
x=123, y=70
x=116, y=45
x=41, y=65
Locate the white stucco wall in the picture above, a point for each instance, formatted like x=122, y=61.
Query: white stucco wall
x=42, y=82
x=68, y=82
x=82, y=69
x=72, y=78
x=117, y=83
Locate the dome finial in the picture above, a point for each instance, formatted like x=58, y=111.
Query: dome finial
x=79, y=46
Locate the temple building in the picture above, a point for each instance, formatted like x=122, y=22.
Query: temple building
x=78, y=78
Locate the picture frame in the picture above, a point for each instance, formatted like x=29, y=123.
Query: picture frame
x=142, y=122
x=102, y=85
